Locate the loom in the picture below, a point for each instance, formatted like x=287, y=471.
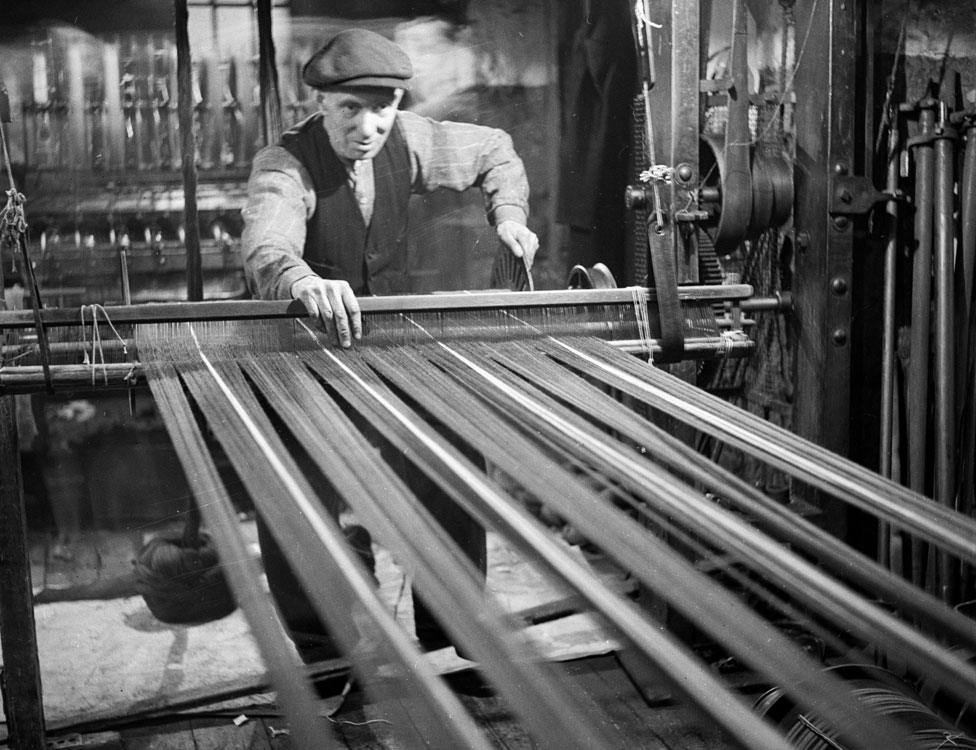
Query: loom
x=555, y=393
x=579, y=424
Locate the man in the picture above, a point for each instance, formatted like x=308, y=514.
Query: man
x=312, y=231
x=326, y=221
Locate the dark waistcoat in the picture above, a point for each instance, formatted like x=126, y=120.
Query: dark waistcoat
x=338, y=244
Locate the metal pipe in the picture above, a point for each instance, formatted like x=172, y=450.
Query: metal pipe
x=918, y=368
x=888, y=334
x=945, y=374
x=967, y=366
x=967, y=237
x=777, y=302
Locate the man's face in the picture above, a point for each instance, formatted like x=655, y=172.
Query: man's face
x=358, y=120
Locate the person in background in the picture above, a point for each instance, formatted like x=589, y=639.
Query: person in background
x=326, y=222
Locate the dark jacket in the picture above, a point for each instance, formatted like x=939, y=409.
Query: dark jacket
x=338, y=244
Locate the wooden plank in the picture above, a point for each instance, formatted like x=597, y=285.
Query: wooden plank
x=266, y=309
x=500, y=725
x=626, y=714
x=174, y=735
x=670, y=727
x=223, y=734
x=824, y=262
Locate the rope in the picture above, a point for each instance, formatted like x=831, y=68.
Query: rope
x=640, y=313
x=97, y=356
x=658, y=173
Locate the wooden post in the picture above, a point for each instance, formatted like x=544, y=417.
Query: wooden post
x=686, y=72
x=21, y=681
x=823, y=278
x=114, y=138
x=271, y=123
x=194, y=270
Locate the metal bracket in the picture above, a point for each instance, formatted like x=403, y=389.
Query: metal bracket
x=855, y=195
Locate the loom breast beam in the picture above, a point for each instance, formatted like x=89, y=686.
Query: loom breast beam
x=547, y=305
x=176, y=312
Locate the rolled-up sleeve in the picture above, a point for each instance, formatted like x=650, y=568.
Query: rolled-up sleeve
x=280, y=200
x=457, y=156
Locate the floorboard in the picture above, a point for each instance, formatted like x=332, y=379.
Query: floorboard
x=630, y=722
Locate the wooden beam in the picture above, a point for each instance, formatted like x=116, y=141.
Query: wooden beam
x=20, y=677
x=21, y=681
x=194, y=272
x=825, y=136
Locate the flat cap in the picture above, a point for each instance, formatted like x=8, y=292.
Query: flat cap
x=358, y=57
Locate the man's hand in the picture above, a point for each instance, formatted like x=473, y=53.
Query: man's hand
x=332, y=304
x=519, y=239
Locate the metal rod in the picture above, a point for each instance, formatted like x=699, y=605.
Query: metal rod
x=918, y=367
x=945, y=387
x=967, y=366
x=777, y=302
x=967, y=237
x=888, y=333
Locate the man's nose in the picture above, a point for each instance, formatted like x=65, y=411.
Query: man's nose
x=369, y=123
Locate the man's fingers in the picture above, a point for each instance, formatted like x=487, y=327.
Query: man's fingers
x=339, y=316
x=521, y=240
x=352, y=309
x=318, y=309
x=332, y=305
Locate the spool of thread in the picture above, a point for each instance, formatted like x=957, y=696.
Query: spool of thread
x=181, y=580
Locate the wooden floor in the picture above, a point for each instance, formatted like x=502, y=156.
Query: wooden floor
x=629, y=720
x=99, y=566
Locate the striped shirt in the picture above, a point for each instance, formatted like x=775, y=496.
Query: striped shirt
x=452, y=155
